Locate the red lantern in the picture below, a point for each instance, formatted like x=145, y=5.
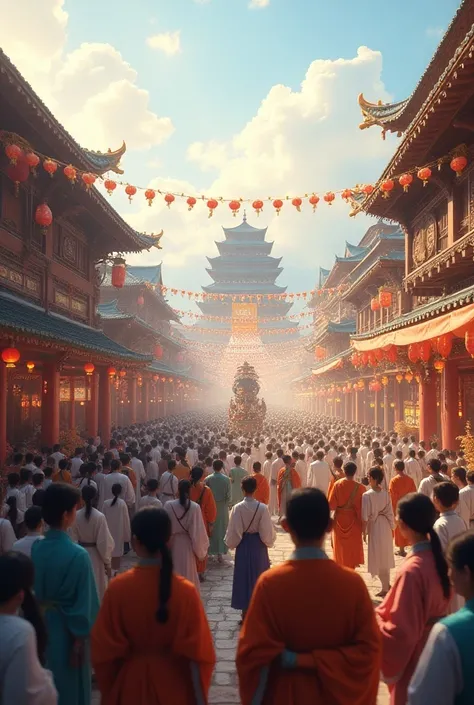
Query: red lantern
x=376, y=386
x=439, y=365
x=32, y=160
x=386, y=187
x=13, y=152
x=319, y=353
x=346, y=194
x=89, y=368
x=130, y=190
x=158, y=351
x=150, y=195
x=385, y=299
x=111, y=371
x=212, y=205
x=372, y=360
x=50, y=166
x=43, y=216
x=191, y=201
x=141, y=300
x=355, y=359
x=296, y=202
x=424, y=174
x=314, y=200
x=156, y=378
x=278, y=205
x=257, y=206
x=368, y=189
x=364, y=358
x=329, y=197
x=18, y=173
x=10, y=356
x=169, y=198
x=469, y=341
x=88, y=179
x=425, y=351
x=123, y=373
x=118, y=273
x=405, y=180
x=378, y=354
x=414, y=352
x=234, y=207
x=110, y=186
x=375, y=304
x=392, y=354
x=458, y=164
x=70, y=173
x=445, y=344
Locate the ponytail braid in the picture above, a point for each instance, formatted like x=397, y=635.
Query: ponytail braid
x=440, y=562
x=164, y=590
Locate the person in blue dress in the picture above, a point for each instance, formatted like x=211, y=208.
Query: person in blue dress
x=66, y=589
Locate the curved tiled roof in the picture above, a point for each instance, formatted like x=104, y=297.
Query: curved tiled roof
x=145, y=274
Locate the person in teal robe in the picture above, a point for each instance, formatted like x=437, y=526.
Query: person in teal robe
x=236, y=475
x=220, y=488
x=65, y=587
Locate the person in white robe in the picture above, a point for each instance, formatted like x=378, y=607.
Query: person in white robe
x=189, y=539
x=7, y=536
x=319, y=473
x=150, y=499
x=114, y=477
x=168, y=484
x=467, y=496
x=240, y=518
x=267, y=466
x=91, y=531
x=378, y=524
x=277, y=465
x=118, y=520
x=413, y=468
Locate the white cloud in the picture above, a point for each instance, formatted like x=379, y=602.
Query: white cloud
x=436, y=32
x=168, y=42
x=84, y=87
x=256, y=4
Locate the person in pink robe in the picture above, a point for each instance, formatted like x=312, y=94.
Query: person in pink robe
x=418, y=599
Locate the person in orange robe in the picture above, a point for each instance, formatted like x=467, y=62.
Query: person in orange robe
x=262, y=493
x=63, y=474
x=202, y=495
x=400, y=485
x=322, y=648
x=151, y=642
x=345, y=501
x=337, y=472
x=288, y=480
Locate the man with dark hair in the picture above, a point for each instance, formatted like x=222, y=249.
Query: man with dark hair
x=318, y=654
x=345, y=500
x=220, y=488
x=34, y=531
x=435, y=476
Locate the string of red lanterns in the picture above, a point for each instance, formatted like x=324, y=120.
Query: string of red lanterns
x=204, y=296
x=228, y=319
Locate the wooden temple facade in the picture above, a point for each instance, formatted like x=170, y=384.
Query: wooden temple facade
x=60, y=359
x=411, y=356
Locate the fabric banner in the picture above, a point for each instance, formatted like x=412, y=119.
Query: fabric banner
x=452, y=322
x=334, y=365
x=244, y=319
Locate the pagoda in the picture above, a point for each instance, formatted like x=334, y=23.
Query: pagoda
x=244, y=266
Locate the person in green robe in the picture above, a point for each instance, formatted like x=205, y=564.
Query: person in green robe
x=220, y=488
x=65, y=587
x=236, y=475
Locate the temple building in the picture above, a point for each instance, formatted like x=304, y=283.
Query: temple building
x=244, y=266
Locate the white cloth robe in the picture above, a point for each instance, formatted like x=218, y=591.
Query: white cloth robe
x=467, y=496
x=239, y=522
x=168, y=488
x=413, y=470
x=277, y=465
x=7, y=536
x=128, y=493
x=95, y=530
x=378, y=513
x=118, y=521
x=319, y=475
x=189, y=539
x=148, y=501
x=448, y=526
x=302, y=470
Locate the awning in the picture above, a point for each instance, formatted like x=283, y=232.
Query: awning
x=334, y=365
x=453, y=322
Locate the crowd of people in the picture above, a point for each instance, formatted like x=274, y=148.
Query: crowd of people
x=182, y=491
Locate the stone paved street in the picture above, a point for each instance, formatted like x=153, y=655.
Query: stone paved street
x=223, y=620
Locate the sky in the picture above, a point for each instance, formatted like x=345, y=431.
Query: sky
x=232, y=98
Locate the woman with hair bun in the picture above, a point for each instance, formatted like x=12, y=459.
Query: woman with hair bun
x=189, y=539
x=151, y=642
x=418, y=599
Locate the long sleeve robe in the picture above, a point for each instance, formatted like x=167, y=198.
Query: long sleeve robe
x=220, y=487
x=288, y=480
x=262, y=493
x=400, y=485
x=95, y=531
x=189, y=539
x=331, y=626
x=345, y=500
x=138, y=660
x=202, y=495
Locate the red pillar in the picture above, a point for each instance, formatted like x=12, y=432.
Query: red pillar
x=146, y=400
x=3, y=412
x=428, y=409
x=92, y=409
x=450, y=426
x=397, y=397
x=376, y=408
x=132, y=393
x=386, y=408
x=50, y=404
x=72, y=404
x=105, y=415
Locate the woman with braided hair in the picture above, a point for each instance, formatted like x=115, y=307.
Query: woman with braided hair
x=155, y=647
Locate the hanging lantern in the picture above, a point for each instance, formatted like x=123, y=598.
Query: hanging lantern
x=458, y=164
x=89, y=368
x=379, y=354
x=278, y=205
x=50, y=167
x=364, y=358
x=376, y=386
x=425, y=350
x=156, y=378
x=111, y=371
x=130, y=190
x=374, y=304
x=346, y=194
x=391, y=354
x=399, y=377
x=30, y=366
x=445, y=344
x=150, y=195
x=409, y=377
x=158, y=351
x=169, y=198
x=70, y=173
x=424, y=175
x=141, y=300
x=191, y=201
x=123, y=373
x=319, y=352
x=355, y=359
x=10, y=356
x=118, y=272
x=212, y=205
x=372, y=360
x=13, y=152
x=405, y=180
x=314, y=200
x=257, y=206
x=385, y=298
x=110, y=186
x=170, y=379
x=234, y=207
x=296, y=202
x=32, y=160
x=329, y=197
x=414, y=352
x=386, y=187
x=385, y=380
x=368, y=189
x=43, y=216
x=439, y=365
x=361, y=384
x=18, y=173
x=88, y=180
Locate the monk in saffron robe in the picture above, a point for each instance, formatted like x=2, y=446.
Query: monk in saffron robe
x=345, y=501
x=309, y=653
x=288, y=480
x=151, y=642
x=262, y=493
x=202, y=495
x=400, y=485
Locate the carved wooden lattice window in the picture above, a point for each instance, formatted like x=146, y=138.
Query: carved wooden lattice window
x=461, y=205
x=442, y=223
